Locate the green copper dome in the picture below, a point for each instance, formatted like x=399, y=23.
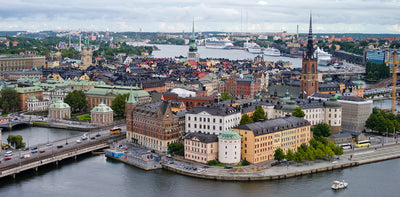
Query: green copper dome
x=229, y=135
x=102, y=108
x=333, y=103
x=59, y=105
x=289, y=107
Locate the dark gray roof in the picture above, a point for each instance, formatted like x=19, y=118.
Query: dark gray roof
x=351, y=98
x=353, y=133
x=214, y=109
x=205, y=138
x=274, y=125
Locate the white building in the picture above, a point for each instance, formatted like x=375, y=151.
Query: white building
x=229, y=147
x=33, y=104
x=211, y=119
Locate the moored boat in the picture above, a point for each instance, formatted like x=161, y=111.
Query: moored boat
x=217, y=43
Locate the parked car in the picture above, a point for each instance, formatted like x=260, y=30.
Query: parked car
x=92, y=138
x=25, y=149
x=49, y=144
x=8, y=152
x=7, y=158
x=34, y=151
x=83, y=137
x=98, y=135
x=78, y=141
x=228, y=167
x=34, y=148
x=275, y=163
x=42, y=151
x=60, y=146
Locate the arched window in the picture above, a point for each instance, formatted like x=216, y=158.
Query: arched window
x=305, y=68
x=312, y=68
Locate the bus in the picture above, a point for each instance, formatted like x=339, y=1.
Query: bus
x=346, y=146
x=115, y=130
x=363, y=143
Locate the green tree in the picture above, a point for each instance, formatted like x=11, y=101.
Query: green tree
x=176, y=148
x=329, y=152
x=322, y=129
x=245, y=119
x=259, y=114
x=245, y=162
x=226, y=96
x=313, y=142
x=319, y=154
x=299, y=156
x=290, y=155
x=279, y=155
x=9, y=100
x=303, y=147
x=309, y=155
x=118, y=104
x=77, y=100
x=16, y=141
x=298, y=112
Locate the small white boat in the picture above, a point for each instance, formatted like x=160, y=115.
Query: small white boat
x=339, y=185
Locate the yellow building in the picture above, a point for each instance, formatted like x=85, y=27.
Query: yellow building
x=261, y=139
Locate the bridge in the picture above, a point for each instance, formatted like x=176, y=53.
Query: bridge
x=72, y=150
x=11, y=123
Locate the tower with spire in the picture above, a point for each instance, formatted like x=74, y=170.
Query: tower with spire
x=130, y=105
x=309, y=76
x=193, y=54
x=86, y=53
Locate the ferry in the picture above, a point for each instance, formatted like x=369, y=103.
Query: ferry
x=324, y=58
x=115, y=130
x=252, y=47
x=217, y=43
x=270, y=51
x=339, y=185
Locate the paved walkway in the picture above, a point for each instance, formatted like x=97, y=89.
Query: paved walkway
x=264, y=171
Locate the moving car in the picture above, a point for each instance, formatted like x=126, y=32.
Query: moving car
x=60, y=146
x=42, y=151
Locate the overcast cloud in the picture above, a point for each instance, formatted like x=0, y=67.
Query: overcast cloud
x=329, y=16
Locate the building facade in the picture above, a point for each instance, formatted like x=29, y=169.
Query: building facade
x=200, y=147
x=261, y=139
x=211, y=119
x=24, y=93
x=11, y=63
x=229, y=147
x=102, y=114
x=152, y=125
x=59, y=110
x=33, y=104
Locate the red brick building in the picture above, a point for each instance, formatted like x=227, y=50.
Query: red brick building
x=190, y=102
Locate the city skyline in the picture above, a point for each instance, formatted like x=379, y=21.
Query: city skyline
x=329, y=16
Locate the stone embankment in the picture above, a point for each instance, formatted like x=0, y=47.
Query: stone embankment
x=266, y=172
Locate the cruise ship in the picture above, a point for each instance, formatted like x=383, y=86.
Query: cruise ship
x=324, y=58
x=217, y=43
x=252, y=47
x=270, y=51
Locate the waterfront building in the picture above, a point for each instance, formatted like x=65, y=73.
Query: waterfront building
x=229, y=147
x=59, y=110
x=34, y=104
x=106, y=94
x=211, y=119
x=355, y=110
x=309, y=76
x=201, y=147
x=11, y=63
x=261, y=139
x=375, y=56
x=102, y=114
x=153, y=125
x=26, y=92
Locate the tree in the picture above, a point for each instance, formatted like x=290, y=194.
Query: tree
x=329, y=153
x=309, y=155
x=245, y=162
x=118, y=104
x=77, y=100
x=298, y=156
x=279, y=155
x=313, y=142
x=303, y=147
x=319, y=154
x=298, y=112
x=322, y=129
x=16, y=141
x=9, y=100
x=290, y=155
x=226, y=96
x=176, y=148
x=259, y=114
x=245, y=119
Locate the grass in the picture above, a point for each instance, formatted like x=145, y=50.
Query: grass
x=237, y=165
x=41, y=122
x=40, y=113
x=84, y=117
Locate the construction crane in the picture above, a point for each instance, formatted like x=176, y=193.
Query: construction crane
x=394, y=71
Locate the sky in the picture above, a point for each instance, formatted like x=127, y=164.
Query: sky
x=329, y=16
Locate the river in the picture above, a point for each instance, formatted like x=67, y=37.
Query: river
x=98, y=176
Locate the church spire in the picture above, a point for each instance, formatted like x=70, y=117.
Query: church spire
x=310, y=48
x=193, y=29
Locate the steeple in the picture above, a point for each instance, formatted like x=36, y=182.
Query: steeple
x=192, y=41
x=310, y=48
x=193, y=29
x=131, y=97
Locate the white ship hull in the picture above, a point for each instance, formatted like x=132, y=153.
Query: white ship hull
x=271, y=52
x=214, y=43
